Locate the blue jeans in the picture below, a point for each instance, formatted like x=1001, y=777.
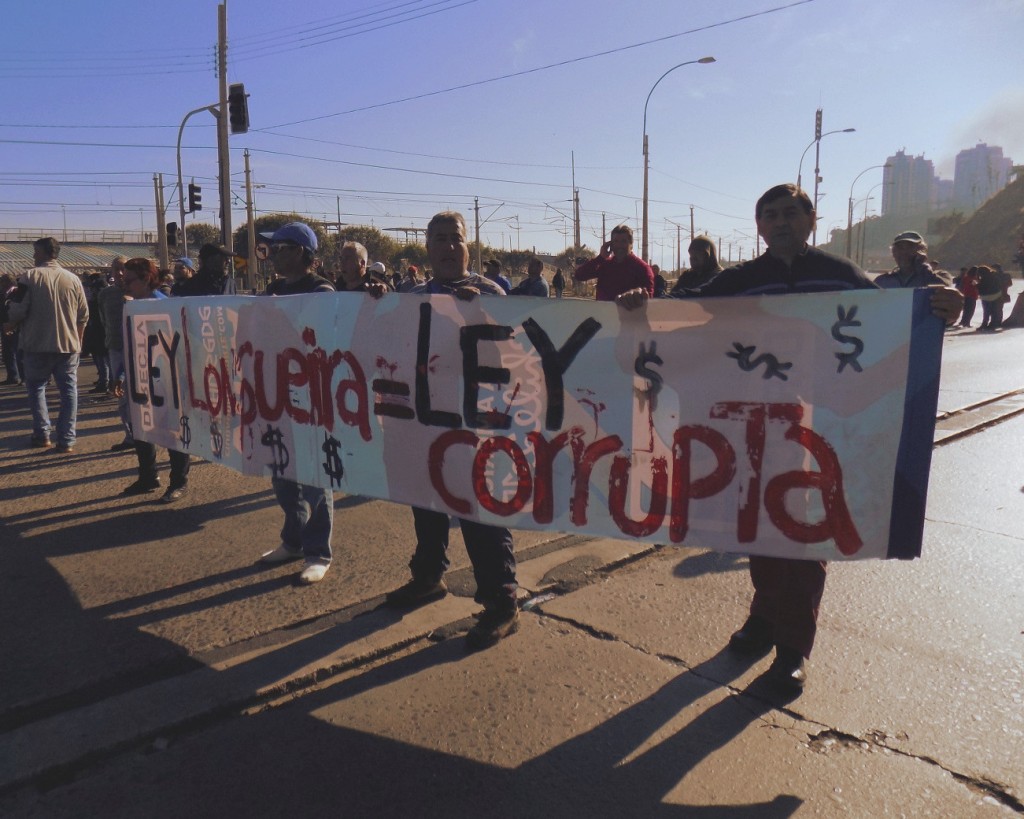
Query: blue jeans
x=489, y=549
x=64, y=369
x=102, y=369
x=308, y=519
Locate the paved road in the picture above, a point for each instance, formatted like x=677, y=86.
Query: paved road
x=150, y=668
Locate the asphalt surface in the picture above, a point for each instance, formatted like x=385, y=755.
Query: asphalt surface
x=151, y=668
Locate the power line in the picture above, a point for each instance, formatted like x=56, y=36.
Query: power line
x=560, y=64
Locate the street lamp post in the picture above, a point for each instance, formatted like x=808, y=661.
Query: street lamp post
x=849, y=216
x=181, y=194
x=818, y=137
x=702, y=61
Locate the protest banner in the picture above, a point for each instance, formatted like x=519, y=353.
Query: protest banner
x=796, y=426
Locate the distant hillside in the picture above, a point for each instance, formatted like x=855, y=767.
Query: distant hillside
x=990, y=236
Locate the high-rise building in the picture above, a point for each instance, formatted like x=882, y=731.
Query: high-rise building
x=908, y=184
x=981, y=172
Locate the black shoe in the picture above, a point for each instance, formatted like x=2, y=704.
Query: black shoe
x=11, y=381
x=173, y=493
x=415, y=593
x=493, y=625
x=141, y=487
x=754, y=637
x=123, y=446
x=787, y=671
x=98, y=387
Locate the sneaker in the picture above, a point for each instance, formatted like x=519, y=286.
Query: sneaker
x=173, y=493
x=493, y=625
x=123, y=446
x=415, y=593
x=141, y=487
x=282, y=554
x=313, y=573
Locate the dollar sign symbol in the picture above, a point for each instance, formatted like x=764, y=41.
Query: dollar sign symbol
x=273, y=440
x=186, y=431
x=332, y=465
x=847, y=319
x=654, y=379
x=216, y=439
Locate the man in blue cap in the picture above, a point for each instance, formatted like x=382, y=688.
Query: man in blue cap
x=308, y=510
x=184, y=268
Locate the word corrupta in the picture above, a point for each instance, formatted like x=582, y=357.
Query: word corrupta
x=672, y=490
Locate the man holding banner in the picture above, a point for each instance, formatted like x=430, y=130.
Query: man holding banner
x=787, y=592
x=489, y=547
x=308, y=510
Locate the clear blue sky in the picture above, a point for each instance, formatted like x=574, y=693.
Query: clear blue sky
x=111, y=81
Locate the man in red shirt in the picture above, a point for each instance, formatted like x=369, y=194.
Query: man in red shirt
x=616, y=268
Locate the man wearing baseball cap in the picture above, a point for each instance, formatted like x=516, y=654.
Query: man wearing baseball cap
x=209, y=279
x=308, y=510
x=184, y=268
x=910, y=251
x=492, y=270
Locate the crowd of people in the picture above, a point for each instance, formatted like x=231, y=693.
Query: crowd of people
x=52, y=317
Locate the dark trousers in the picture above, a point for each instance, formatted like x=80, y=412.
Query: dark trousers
x=180, y=464
x=489, y=548
x=968, y=314
x=992, y=314
x=787, y=593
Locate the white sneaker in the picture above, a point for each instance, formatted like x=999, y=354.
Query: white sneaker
x=282, y=554
x=313, y=573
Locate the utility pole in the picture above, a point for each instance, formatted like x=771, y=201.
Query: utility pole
x=691, y=223
x=222, y=129
x=679, y=248
x=158, y=191
x=576, y=235
x=476, y=210
x=250, y=251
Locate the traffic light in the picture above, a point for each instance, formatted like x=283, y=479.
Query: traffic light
x=238, y=108
x=172, y=234
x=195, y=197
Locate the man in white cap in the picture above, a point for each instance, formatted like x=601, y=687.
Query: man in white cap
x=308, y=510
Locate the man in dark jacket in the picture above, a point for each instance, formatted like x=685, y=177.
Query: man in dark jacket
x=787, y=592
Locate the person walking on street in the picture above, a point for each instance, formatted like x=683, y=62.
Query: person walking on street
x=558, y=283
x=49, y=310
x=308, y=510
